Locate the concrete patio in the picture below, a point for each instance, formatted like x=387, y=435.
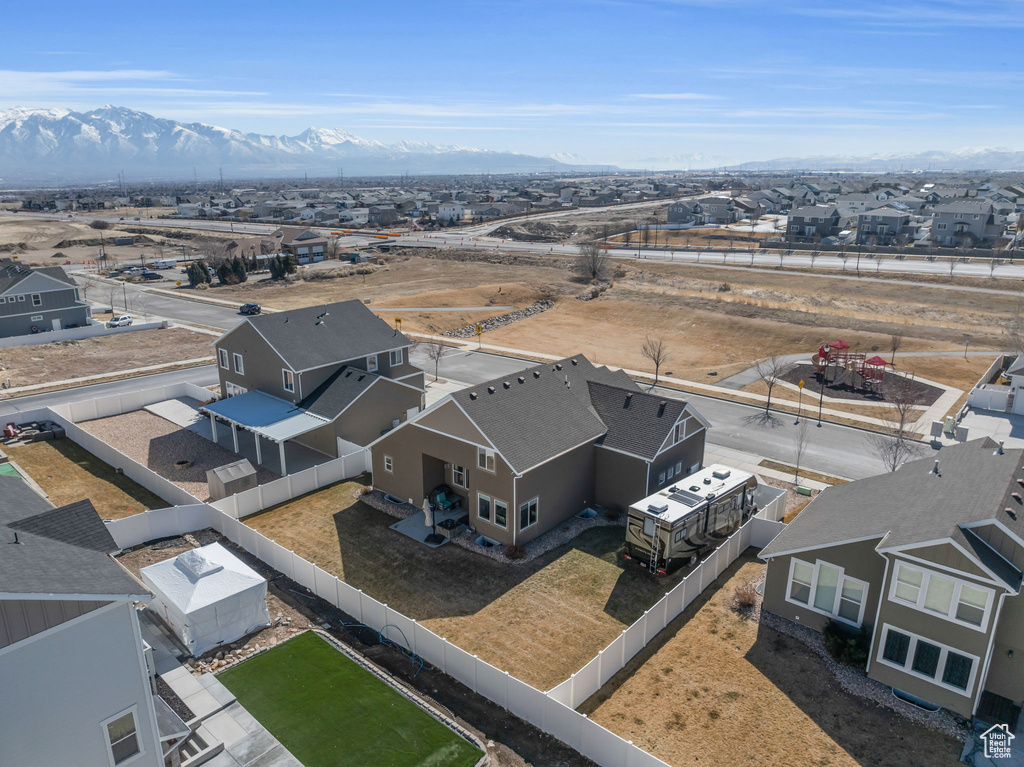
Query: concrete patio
x=414, y=527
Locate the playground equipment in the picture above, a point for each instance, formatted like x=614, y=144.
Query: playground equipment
x=838, y=357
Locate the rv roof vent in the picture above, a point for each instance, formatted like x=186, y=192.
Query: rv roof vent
x=658, y=507
x=707, y=480
x=710, y=496
x=694, y=488
x=673, y=489
x=472, y=395
x=721, y=473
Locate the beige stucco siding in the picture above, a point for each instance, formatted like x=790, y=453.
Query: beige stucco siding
x=563, y=487
x=261, y=365
x=619, y=480
x=858, y=560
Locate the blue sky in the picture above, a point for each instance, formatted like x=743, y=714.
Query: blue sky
x=641, y=83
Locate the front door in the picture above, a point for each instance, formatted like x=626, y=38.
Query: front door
x=56, y=324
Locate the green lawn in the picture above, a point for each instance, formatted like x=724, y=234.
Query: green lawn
x=330, y=712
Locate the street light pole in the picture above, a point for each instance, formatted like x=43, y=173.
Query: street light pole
x=967, y=342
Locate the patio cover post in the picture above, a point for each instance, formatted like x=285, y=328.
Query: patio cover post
x=213, y=427
x=284, y=469
x=259, y=456
x=234, y=435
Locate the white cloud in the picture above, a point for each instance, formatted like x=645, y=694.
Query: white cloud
x=676, y=96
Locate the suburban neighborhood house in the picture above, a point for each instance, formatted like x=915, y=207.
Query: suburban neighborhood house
x=524, y=453
x=297, y=375
x=38, y=299
x=76, y=688
x=927, y=560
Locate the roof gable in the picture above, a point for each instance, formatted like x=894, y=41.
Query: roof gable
x=637, y=422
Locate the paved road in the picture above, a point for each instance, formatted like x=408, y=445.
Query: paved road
x=141, y=302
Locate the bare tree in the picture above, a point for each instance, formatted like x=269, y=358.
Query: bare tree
x=656, y=351
x=333, y=249
x=899, y=393
x=800, y=438
x=592, y=262
x=891, y=448
x=771, y=371
x=436, y=351
x=895, y=342
x=815, y=254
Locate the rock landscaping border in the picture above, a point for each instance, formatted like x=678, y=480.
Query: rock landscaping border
x=542, y=544
x=501, y=320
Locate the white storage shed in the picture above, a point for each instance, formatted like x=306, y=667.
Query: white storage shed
x=208, y=597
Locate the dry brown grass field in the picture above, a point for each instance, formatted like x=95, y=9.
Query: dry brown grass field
x=719, y=688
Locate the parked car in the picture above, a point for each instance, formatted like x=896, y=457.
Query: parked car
x=134, y=270
x=121, y=321
x=250, y=309
x=151, y=276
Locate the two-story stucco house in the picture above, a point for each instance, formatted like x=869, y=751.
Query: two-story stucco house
x=525, y=452
x=330, y=377
x=928, y=560
x=74, y=684
x=38, y=300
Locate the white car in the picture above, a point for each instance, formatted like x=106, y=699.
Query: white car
x=121, y=321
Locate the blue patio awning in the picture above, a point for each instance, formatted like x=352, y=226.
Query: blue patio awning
x=271, y=417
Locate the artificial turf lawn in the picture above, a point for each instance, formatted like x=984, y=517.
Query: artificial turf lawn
x=330, y=712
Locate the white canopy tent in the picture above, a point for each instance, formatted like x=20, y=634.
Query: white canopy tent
x=208, y=597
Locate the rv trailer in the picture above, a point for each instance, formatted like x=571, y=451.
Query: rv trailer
x=678, y=525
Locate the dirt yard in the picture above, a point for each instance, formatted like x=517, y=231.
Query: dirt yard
x=541, y=621
x=69, y=473
x=157, y=443
x=52, y=242
x=719, y=688
x=59, y=361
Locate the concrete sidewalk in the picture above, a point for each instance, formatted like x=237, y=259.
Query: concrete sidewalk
x=752, y=463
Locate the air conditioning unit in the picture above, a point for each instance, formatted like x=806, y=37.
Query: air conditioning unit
x=721, y=473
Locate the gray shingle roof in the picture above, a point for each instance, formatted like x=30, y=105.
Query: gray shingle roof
x=60, y=551
x=537, y=415
x=338, y=392
x=637, y=422
x=349, y=330
x=913, y=505
x=11, y=273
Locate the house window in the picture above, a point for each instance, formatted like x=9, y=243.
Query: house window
x=36, y=318
x=388, y=464
x=3, y=300
x=679, y=468
x=459, y=476
x=948, y=597
x=661, y=478
x=927, y=659
x=239, y=367
x=670, y=472
x=21, y=297
x=122, y=737
x=677, y=434
x=371, y=363
x=826, y=589
x=483, y=506
x=940, y=226
x=222, y=355
x=288, y=380
x=500, y=513
x=485, y=459
x=528, y=514
x=37, y=300
x=395, y=357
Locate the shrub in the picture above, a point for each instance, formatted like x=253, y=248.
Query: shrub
x=365, y=489
x=847, y=645
x=515, y=551
x=724, y=287
x=99, y=224
x=746, y=596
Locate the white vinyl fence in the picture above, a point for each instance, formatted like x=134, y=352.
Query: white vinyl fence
x=771, y=502
x=589, y=679
x=293, y=485
x=76, y=334
x=544, y=711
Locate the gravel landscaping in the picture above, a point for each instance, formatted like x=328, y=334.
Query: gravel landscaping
x=158, y=444
x=501, y=320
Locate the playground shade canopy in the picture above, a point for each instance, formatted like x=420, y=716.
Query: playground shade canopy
x=208, y=597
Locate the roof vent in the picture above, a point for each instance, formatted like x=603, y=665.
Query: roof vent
x=536, y=374
x=999, y=450
x=710, y=496
x=629, y=398
x=721, y=473
x=558, y=366
x=707, y=480
x=1016, y=497
x=658, y=507
x=1011, y=512
x=521, y=379
x=490, y=390
x=472, y=395
x=935, y=469
x=506, y=384
x=573, y=361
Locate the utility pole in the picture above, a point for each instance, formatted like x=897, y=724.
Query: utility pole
x=222, y=181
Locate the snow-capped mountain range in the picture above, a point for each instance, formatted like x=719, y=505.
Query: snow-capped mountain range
x=969, y=158
x=40, y=144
